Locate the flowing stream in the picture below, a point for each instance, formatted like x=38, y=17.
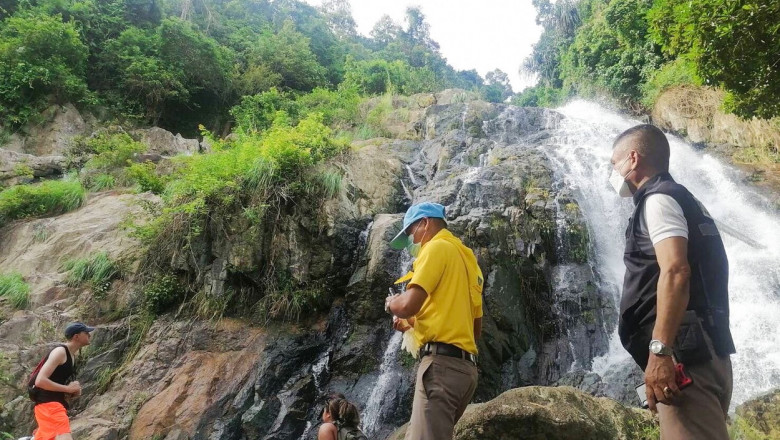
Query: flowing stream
x=581, y=154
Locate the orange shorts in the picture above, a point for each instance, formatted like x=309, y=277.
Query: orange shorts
x=52, y=420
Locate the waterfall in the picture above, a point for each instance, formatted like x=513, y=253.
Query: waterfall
x=389, y=375
x=581, y=152
x=411, y=176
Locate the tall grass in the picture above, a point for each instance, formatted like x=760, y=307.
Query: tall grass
x=97, y=269
x=102, y=182
x=13, y=287
x=47, y=198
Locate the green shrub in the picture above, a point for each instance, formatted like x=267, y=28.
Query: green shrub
x=144, y=174
x=256, y=113
x=378, y=77
x=47, y=198
x=539, y=96
x=13, y=287
x=733, y=45
x=338, y=108
x=111, y=150
x=275, y=159
x=678, y=72
x=98, y=269
x=40, y=57
x=161, y=293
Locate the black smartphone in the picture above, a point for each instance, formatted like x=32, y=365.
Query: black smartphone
x=642, y=393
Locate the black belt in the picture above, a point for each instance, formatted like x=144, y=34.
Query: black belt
x=445, y=349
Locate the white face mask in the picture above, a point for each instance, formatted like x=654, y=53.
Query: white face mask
x=412, y=247
x=619, y=182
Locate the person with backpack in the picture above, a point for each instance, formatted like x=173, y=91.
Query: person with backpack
x=340, y=421
x=50, y=385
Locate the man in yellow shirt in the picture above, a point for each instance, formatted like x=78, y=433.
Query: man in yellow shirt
x=443, y=302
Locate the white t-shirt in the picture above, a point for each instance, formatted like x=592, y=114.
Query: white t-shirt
x=662, y=218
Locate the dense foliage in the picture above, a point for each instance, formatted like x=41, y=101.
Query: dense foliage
x=181, y=63
x=631, y=50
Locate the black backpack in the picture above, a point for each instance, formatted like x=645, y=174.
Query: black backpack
x=347, y=433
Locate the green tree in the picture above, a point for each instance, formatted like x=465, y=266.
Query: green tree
x=733, y=45
x=339, y=16
x=288, y=55
x=385, y=31
x=497, y=87
x=171, y=72
x=41, y=57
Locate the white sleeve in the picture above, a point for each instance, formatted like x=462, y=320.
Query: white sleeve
x=663, y=218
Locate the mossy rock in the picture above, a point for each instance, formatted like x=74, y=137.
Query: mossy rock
x=758, y=418
x=561, y=413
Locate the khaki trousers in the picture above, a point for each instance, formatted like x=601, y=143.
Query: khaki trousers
x=700, y=411
x=444, y=386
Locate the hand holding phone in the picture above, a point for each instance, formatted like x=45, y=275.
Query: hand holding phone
x=681, y=377
x=683, y=380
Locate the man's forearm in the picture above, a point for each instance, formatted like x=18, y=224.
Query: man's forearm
x=672, y=300
x=400, y=306
x=47, y=384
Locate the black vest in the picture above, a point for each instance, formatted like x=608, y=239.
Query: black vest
x=61, y=375
x=709, y=295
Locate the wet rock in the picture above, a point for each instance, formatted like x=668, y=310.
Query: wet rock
x=377, y=269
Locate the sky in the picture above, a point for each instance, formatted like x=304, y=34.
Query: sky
x=472, y=34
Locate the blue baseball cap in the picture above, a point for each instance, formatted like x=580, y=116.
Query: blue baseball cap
x=76, y=328
x=414, y=213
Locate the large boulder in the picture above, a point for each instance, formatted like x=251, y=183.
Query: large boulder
x=163, y=142
x=18, y=167
x=61, y=123
x=561, y=413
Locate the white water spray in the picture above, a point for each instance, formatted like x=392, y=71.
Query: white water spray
x=581, y=154
x=389, y=375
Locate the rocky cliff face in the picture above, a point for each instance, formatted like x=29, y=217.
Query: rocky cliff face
x=184, y=378
x=696, y=114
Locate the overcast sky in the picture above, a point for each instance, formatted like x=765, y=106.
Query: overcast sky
x=473, y=34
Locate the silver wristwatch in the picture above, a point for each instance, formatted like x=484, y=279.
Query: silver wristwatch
x=658, y=347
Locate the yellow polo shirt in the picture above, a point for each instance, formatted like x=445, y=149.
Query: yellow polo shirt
x=448, y=313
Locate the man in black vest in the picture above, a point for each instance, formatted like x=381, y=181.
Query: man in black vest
x=674, y=306
x=56, y=387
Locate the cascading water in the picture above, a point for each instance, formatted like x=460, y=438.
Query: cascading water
x=390, y=373
x=581, y=154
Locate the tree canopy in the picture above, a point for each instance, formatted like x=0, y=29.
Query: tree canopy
x=180, y=63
